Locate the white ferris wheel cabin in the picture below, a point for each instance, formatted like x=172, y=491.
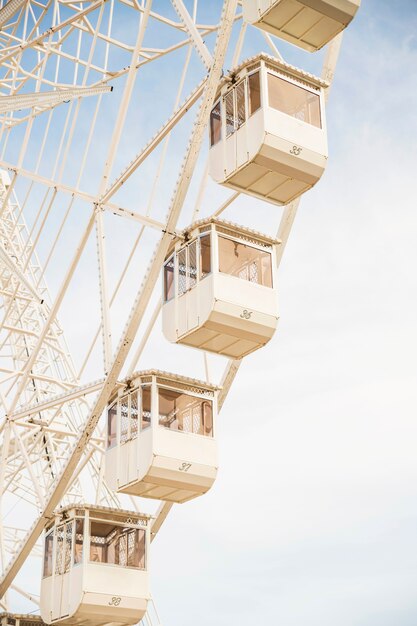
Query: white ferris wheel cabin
x=95, y=567
x=220, y=288
x=161, y=437
x=268, y=135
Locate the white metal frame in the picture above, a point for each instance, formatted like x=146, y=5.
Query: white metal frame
x=44, y=405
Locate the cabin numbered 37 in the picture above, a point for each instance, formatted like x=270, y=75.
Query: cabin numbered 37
x=95, y=567
x=268, y=134
x=308, y=24
x=161, y=437
x=220, y=288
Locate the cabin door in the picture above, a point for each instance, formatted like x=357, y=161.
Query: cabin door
x=129, y=413
x=60, y=603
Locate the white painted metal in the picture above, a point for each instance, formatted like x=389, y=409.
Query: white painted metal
x=309, y=24
x=9, y=9
x=48, y=98
x=95, y=567
x=162, y=437
x=226, y=304
x=271, y=143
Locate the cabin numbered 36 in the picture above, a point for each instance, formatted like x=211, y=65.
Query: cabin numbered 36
x=95, y=567
x=161, y=437
x=268, y=133
x=308, y=24
x=220, y=288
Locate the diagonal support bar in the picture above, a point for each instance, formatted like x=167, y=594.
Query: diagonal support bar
x=17, y=102
x=192, y=30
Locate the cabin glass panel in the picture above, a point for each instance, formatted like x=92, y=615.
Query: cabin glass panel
x=215, y=124
x=146, y=407
x=230, y=112
x=205, y=255
x=240, y=103
x=192, y=264
x=124, y=419
x=111, y=425
x=48, y=554
x=254, y=88
x=245, y=262
x=182, y=271
x=78, y=541
x=294, y=100
x=117, y=545
x=169, y=284
x=185, y=413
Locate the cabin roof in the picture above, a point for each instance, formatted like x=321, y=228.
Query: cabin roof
x=175, y=378
x=103, y=509
x=279, y=65
x=232, y=226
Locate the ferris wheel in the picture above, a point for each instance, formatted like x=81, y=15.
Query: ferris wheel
x=127, y=147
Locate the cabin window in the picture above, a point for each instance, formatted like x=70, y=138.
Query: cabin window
x=48, y=554
x=169, y=287
x=240, y=104
x=68, y=546
x=182, y=271
x=205, y=255
x=111, y=425
x=294, y=100
x=63, y=548
x=146, y=407
x=117, y=545
x=192, y=264
x=124, y=419
x=79, y=541
x=185, y=413
x=215, y=125
x=129, y=412
x=235, y=107
x=254, y=87
x=187, y=259
x=59, y=560
x=230, y=112
x=245, y=262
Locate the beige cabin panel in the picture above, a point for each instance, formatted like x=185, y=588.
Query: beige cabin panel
x=308, y=24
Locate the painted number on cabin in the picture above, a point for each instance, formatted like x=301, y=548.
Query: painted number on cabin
x=115, y=601
x=184, y=467
x=296, y=150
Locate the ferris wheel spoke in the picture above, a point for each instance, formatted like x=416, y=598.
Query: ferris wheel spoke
x=192, y=30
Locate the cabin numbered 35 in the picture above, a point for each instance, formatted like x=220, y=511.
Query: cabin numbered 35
x=268, y=134
x=308, y=24
x=95, y=567
x=219, y=287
